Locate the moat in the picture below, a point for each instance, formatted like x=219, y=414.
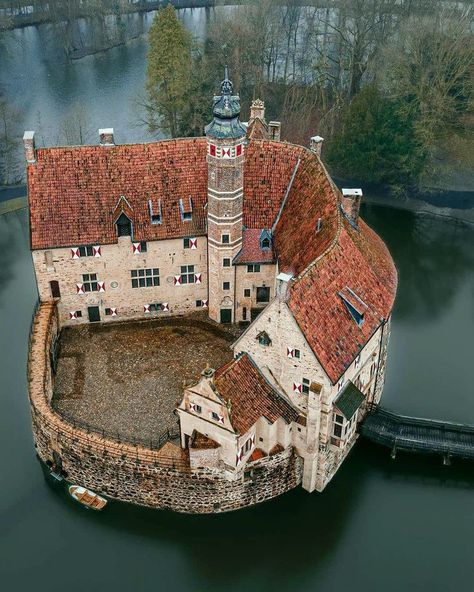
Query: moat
x=413, y=515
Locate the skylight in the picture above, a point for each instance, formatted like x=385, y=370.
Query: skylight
x=354, y=304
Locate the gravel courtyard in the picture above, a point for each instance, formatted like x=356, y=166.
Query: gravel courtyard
x=127, y=378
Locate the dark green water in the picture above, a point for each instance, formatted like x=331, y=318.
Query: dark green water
x=380, y=525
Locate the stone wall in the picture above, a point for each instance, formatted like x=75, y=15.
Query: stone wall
x=132, y=473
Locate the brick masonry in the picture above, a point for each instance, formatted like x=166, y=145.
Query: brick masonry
x=134, y=474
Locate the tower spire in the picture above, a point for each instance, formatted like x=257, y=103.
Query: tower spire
x=227, y=87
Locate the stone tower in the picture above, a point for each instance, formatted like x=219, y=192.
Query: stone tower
x=225, y=157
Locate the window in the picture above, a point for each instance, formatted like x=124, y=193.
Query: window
x=254, y=268
x=197, y=408
x=186, y=209
x=156, y=307
x=263, y=294
x=318, y=225
x=215, y=416
x=108, y=312
x=225, y=239
x=226, y=286
x=265, y=240
x=143, y=247
x=305, y=386
x=86, y=251
x=198, y=303
x=190, y=243
x=264, y=339
x=244, y=313
x=265, y=243
x=297, y=354
x=247, y=446
x=187, y=274
x=145, y=278
x=226, y=262
x=337, y=431
x=155, y=215
x=247, y=293
x=89, y=281
x=124, y=225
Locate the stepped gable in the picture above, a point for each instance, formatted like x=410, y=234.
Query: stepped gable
x=311, y=197
x=267, y=174
x=251, y=395
x=251, y=251
x=314, y=300
x=73, y=191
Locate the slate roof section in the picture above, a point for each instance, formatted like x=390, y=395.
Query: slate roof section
x=251, y=395
x=349, y=400
x=251, y=251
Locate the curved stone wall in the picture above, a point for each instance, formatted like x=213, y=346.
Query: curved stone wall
x=131, y=473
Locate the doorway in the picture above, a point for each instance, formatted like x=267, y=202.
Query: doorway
x=54, y=286
x=94, y=314
x=226, y=316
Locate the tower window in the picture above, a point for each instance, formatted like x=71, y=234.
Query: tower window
x=247, y=293
x=226, y=286
x=226, y=262
x=225, y=239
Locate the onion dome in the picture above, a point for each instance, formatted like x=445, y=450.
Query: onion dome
x=226, y=111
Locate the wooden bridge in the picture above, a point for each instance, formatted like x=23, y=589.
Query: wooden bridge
x=422, y=436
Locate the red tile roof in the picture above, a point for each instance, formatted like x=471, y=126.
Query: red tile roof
x=319, y=310
x=251, y=251
x=251, y=395
x=268, y=170
x=310, y=199
x=73, y=191
x=202, y=442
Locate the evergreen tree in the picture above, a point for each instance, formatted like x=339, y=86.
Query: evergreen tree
x=169, y=73
x=377, y=142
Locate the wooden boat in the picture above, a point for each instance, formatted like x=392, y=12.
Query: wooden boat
x=87, y=497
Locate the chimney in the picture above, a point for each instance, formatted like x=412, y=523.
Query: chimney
x=257, y=109
x=274, y=130
x=106, y=136
x=316, y=144
x=29, y=144
x=283, y=283
x=350, y=204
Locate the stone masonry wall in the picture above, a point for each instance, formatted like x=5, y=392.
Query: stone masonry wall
x=132, y=473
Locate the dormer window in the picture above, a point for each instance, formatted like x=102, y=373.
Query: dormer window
x=155, y=212
x=264, y=339
x=355, y=305
x=124, y=225
x=186, y=209
x=265, y=240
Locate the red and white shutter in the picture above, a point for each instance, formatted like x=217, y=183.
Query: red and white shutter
x=113, y=312
x=80, y=289
x=75, y=253
x=177, y=280
x=136, y=248
x=212, y=149
x=226, y=152
x=101, y=286
x=205, y=303
x=193, y=243
x=146, y=308
x=238, y=150
x=73, y=315
x=96, y=252
x=192, y=407
x=198, y=278
x=220, y=419
x=297, y=387
x=165, y=307
x=290, y=352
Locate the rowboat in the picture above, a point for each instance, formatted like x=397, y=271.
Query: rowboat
x=87, y=497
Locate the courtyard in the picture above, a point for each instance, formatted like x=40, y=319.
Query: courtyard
x=126, y=379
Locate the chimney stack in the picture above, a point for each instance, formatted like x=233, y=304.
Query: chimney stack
x=29, y=144
x=257, y=109
x=106, y=136
x=274, y=129
x=350, y=203
x=316, y=144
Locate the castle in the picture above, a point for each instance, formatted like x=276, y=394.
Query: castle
x=251, y=230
